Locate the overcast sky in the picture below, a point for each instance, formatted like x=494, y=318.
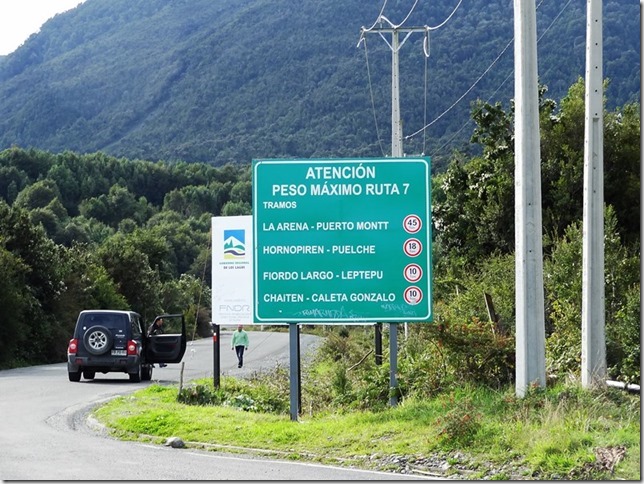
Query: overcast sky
x=21, y=18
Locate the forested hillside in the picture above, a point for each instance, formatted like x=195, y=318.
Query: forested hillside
x=232, y=80
x=93, y=231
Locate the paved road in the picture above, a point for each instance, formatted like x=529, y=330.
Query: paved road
x=44, y=433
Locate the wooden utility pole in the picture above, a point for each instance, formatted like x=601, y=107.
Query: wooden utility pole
x=530, y=324
x=593, y=339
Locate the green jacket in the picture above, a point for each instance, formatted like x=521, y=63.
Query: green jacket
x=240, y=338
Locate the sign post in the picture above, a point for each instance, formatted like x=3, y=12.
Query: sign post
x=294, y=370
x=216, y=355
x=378, y=343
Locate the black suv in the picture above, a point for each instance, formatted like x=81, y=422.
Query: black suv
x=106, y=341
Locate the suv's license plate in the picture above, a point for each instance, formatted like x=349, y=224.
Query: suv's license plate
x=119, y=352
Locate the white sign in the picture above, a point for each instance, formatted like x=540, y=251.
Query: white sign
x=232, y=270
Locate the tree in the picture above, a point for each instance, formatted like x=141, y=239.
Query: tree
x=474, y=200
x=95, y=208
x=40, y=255
x=12, y=181
x=562, y=153
x=236, y=208
x=48, y=220
x=15, y=301
x=191, y=296
x=129, y=267
x=68, y=184
x=32, y=162
x=40, y=278
x=38, y=195
x=241, y=192
x=622, y=168
x=87, y=285
x=194, y=200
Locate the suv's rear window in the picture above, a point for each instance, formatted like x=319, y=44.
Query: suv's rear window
x=110, y=321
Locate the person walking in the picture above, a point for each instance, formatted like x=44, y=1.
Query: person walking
x=239, y=343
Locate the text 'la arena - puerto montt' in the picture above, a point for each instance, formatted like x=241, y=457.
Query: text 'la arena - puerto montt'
x=324, y=226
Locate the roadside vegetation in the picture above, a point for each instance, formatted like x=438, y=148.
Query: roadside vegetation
x=464, y=431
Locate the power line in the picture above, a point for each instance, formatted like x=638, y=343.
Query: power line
x=379, y=15
x=408, y=15
x=448, y=17
x=373, y=103
x=464, y=94
x=482, y=75
x=470, y=120
x=553, y=20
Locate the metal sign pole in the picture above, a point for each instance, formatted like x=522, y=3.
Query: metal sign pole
x=378, y=337
x=299, y=372
x=216, y=353
x=294, y=364
x=393, y=364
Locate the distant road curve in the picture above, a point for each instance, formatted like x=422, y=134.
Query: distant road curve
x=45, y=436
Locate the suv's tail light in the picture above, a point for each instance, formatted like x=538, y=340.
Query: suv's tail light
x=132, y=348
x=72, y=348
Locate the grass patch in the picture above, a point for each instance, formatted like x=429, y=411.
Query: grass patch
x=477, y=432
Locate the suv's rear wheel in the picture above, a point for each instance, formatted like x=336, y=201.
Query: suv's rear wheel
x=97, y=339
x=136, y=376
x=74, y=375
x=146, y=373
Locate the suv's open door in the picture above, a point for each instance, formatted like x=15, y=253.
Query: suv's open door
x=166, y=348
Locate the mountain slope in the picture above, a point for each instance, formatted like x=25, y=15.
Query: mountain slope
x=233, y=80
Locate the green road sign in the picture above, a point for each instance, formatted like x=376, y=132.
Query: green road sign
x=342, y=241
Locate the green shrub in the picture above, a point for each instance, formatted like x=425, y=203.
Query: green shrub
x=201, y=395
x=423, y=364
x=624, y=343
x=241, y=402
x=464, y=345
x=563, y=288
x=459, y=424
x=345, y=344
x=372, y=390
x=341, y=385
x=477, y=352
x=257, y=395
